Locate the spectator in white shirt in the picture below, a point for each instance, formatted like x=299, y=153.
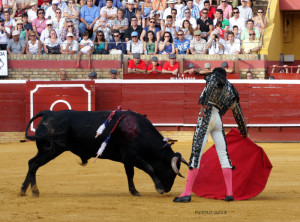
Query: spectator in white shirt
x=4, y=35
x=215, y=44
x=32, y=13
x=245, y=11
x=70, y=46
x=168, y=11
x=237, y=20
x=199, y=3
x=51, y=11
x=232, y=45
x=135, y=45
x=59, y=23
x=46, y=32
x=188, y=17
x=111, y=11
x=9, y=22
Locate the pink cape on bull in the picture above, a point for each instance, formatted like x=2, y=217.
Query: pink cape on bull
x=250, y=176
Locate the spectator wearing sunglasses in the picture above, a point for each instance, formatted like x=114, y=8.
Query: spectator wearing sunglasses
x=188, y=17
x=251, y=45
x=237, y=20
x=260, y=20
x=182, y=45
x=117, y=46
x=46, y=32
x=135, y=45
x=211, y=10
x=59, y=23
x=203, y=23
x=39, y=24
x=250, y=27
x=133, y=27
x=72, y=29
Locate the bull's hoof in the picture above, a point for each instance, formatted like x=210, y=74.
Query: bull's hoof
x=160, y=191
x=22, y=192
x=135, y=193
x=229, y=198
x=184, y=199
x=35, y=191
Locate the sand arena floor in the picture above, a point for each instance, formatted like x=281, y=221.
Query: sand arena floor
x=99, y=192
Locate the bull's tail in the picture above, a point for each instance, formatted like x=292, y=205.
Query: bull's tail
x=40, y=114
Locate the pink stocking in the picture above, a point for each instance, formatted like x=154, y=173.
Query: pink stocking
x=227, y=173
x=189, y=182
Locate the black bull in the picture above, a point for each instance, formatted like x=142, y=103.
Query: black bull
x=134, y=142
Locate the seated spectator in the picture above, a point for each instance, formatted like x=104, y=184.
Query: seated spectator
x=9, y=22
x=136, y=65
x=63, y=75
x=89, y=14
x=232, y=45
x=211, y=9
x=120, y=23
x=138, y=15
x=113, y=74
x=246, y=31
x=187, y=30
x=135, y=45
x=224, y=65
x=159, y=7
x=130, y=11
x=100, y=44
x=27, y=25
x=171, y=66
x=178, y=7
x=191, y=70
x=52, y=44
x=133, y=27
x=215, y=44
x=118, y=46
x=203, y=23
x=70, y=46
x=39, y=24
x=62, y=5
x=194, y=10
x=236, y=33
x=251, y=46
x=46, y=32
x=249, y=75
x=245, y=11
x=32, y=13
x=17, y=13
x=226, y=8
x=207, y=69
x=22, y=30
x=280, y=70
x=219, y=29
x=197, y=44
x=4, y=35
x=166, y=45
x=260, y=21
x=72, y=29
x=150, y=45
x=154, y=67
x=71, y=13
x=219, y=17
x=182, y=45
x=92, y=75
x=26, y=4
x=146, y=9
x=33, y=45
x=59, y=23
x=46, y=4
x=86, y=47
x=8, y=5
x=101, y=25
x=81, y=4
x=116, y=3
x=110, y=10
x=168, y=11
x=170, y=27
x=51, y=11
x=152, y=28
x=237, y=21
x=16, y=45
x=188, y=17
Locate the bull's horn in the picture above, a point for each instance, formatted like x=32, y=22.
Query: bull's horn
x=174, y=165
x=183, y=160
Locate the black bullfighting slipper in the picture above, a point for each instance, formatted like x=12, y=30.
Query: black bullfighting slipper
x=229, y=198
x=184, y=199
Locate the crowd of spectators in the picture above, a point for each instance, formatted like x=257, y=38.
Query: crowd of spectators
x=129, y=26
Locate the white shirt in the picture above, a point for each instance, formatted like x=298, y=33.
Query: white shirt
x=135, y=47
x=50, y=13
x=191, y=20
x=31, y=15
x=59, y=25
x=72, y=47
x=11, y=22
x=232, y=49
x=245, y=13
x=168, y=11
x=214, y=48
x=200, y=4
x=3, y=36
x=45, y=35
x=88, y=47
x=198, y=47
x=111, y=11
x=240, y=22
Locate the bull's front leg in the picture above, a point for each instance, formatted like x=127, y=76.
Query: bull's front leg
x=130, y=173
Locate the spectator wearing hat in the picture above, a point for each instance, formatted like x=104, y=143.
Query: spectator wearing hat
x=232, y=45
x=22, y=30
x=113, y=74
x=133, y=27
x=27, y=25
x=4, y=35
x=46, y=32
x=86, y=47
x=51, y=11
x=9, y=22
x=32, y=13
x=33, y=45
x=89, y=14
x=172, y=66
x=191, y=69
x=92, y=75
x=154, y=67
x=224, y=65
x=136, y=65
x=197, y=44
x=70, y=46
x=16, y=45
x=203, y=23
x=215, y=44
x=245, y=11
x=182, y=45
x=134, y=45
x=207, y=68
x=168, y=11
x=39, y=24
x=118, y=46
x=130, y=11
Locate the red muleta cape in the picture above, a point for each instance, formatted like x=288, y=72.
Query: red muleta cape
x=249, y=178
